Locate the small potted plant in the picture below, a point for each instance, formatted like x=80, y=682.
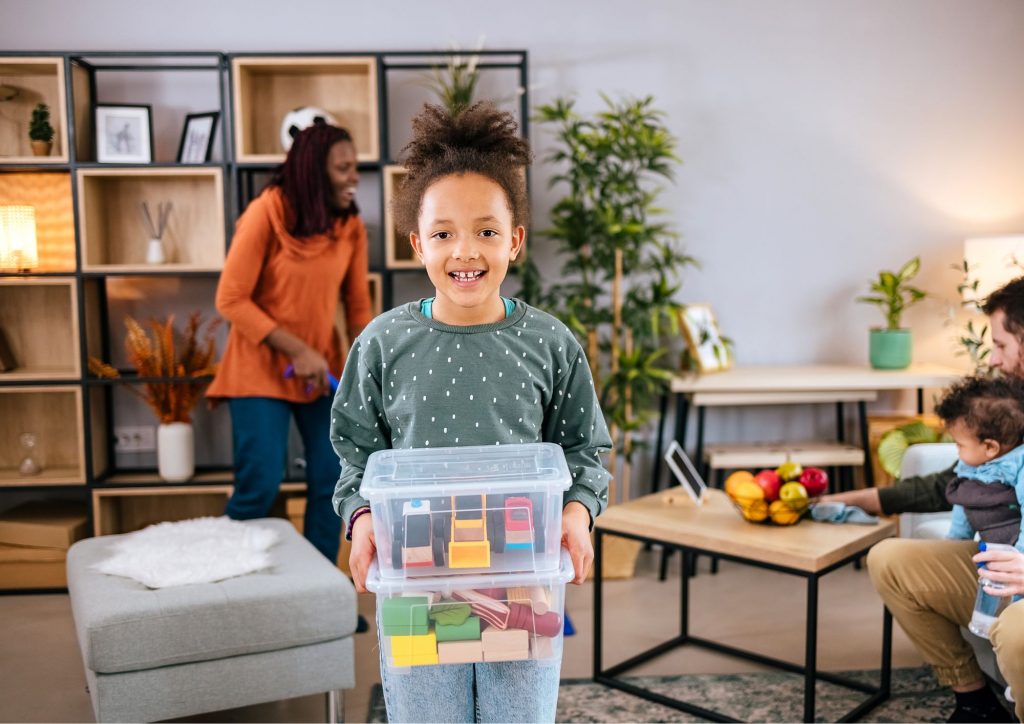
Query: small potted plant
x=40, y=131
x=890, y=346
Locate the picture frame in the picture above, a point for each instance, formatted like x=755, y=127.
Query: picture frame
x=124, y=133
x=685, y=473
x=708, y=348
x=197, y=134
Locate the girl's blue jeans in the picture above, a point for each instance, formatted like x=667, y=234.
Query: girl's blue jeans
x=504, y=691
x=260, y=429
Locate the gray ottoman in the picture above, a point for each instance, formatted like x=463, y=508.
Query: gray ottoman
x=174, y=652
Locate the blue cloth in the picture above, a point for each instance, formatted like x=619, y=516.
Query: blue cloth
x=841, y=513
x=259, y=426
x=1006, y=469
x=427, y=307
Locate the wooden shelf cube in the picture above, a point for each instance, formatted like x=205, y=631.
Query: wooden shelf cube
x=39, y=320
x=114, y=236
x=123, y=510
x=54, y=415
x=267, y=88
x=49, y=193
x=37, y=80
x=398, y=253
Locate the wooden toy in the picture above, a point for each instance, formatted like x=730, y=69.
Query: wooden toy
x=518, y=523
x=538, y=597
x=510, y=645
x=468, y=546
x=413, y=544
x=490, y=610
x=414, y=650
x=404, y=616
x=522, y=616
x=460, y=652
x=467, y=631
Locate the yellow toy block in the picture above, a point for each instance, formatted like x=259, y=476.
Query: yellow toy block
x=414, y=650
x=417, y=660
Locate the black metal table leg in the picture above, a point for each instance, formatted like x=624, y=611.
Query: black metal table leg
x=811, y=648
x=659, y=445
x=869, y=470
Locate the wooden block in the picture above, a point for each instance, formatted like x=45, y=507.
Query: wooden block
x=460, y=652
x=537, y=597
x=403, y=615
x=467, y=631
x=542, y=647
x=417, y=556
x=48, y=525
x=406, y=646
x=510, y=645
x=416, y=660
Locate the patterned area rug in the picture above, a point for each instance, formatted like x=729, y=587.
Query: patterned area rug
x=764, y=697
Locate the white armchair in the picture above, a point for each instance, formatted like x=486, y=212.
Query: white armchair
x=928, y=458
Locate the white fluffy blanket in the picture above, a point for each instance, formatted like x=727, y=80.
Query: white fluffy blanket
x=202, y=550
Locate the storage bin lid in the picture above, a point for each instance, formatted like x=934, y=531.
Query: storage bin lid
x=425, y=472
x=461, y=582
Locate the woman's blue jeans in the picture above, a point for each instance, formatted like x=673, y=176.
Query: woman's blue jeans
x=260, y=429
x=503, y=691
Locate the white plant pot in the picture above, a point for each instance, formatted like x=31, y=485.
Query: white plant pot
x=175, y=451
x=155, y=252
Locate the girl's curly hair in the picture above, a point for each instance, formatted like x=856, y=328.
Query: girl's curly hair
x=991, y=408
x=481, y=139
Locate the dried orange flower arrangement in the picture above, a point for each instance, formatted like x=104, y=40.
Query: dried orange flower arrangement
x=158, y=356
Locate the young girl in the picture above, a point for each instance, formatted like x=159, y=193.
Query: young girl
x=985, y=418
x=468, y=367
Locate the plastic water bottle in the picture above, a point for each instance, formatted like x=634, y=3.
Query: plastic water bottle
x=986, y=606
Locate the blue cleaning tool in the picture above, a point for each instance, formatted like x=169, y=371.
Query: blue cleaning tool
x=289, y=372
x=568, y=629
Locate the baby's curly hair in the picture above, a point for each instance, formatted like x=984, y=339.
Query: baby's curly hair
x=992, y=408
x=481, y=139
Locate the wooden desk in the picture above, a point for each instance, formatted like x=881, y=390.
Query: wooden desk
x=809, y=550
x=784, y=385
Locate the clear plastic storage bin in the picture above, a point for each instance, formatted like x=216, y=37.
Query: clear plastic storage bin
x=459, y=510
x=471, y=618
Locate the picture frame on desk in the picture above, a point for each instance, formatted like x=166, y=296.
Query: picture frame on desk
x=197, y=134
x=685, y=473
x=124, y=133
x=708, y=349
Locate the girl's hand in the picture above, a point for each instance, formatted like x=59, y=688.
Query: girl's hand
x=364, y=548
x=1006, y=567
x=576, y=538
x=311, y=366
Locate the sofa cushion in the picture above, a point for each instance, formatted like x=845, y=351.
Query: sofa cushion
x=124, y=626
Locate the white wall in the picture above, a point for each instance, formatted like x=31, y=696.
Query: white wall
x=821, y=141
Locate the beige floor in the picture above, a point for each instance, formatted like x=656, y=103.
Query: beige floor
x=41, y=677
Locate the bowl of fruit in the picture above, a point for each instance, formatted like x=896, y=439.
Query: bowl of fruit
x=777, y=497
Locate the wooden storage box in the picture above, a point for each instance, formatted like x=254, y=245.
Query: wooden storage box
x=44, y=525
x=54, y=415
x=398, y=251
x=114, y=236
x=37, y=80
x=267, y=88
x=39, y=321
x=25, y=567
x=123, y=510
x=49, y=194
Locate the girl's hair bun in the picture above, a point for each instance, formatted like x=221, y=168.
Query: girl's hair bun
x=482, y=129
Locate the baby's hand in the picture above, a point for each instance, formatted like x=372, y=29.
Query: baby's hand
x=364, y=548
x=576, y=538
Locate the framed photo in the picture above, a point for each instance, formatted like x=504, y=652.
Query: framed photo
x=687, y=476
x=708, y=348
x=124, y=134
x=197, y=137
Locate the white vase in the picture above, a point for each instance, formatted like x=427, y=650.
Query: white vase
x=155, y=252
x=175, y=451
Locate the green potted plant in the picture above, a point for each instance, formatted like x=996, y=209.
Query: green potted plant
x=40, y=132
x=890, y=346
x=610, y=237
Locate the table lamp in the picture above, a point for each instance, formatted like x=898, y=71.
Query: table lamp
x=18, y=239
x=994, y=261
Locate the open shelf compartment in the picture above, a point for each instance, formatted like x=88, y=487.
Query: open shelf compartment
x=54, y=415
x=39, y=321
x=35, y=80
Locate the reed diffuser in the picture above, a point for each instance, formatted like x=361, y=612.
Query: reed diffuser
x=155, y=249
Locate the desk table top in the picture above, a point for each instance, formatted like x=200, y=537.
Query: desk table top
x=817, y=378
x=671, y=516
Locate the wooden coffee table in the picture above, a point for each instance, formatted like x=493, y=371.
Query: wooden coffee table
x=808, y=550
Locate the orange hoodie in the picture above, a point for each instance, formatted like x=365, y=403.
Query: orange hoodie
x=272, y=279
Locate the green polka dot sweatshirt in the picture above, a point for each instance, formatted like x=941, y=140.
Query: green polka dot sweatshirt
x=414, y=382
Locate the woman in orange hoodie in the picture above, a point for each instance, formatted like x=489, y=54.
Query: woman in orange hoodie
x=298, y=248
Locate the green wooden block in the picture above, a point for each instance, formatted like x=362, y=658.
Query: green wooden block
x=404, y=612
x=405, y=630
x=468, y=631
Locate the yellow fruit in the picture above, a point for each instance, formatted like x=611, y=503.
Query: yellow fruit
x=742, y=476
x=754, y=510
x=794, y=495
x=782, y=513
x=747, y=490
x=790, y=470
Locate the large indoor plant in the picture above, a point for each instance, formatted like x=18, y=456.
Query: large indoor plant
x=620, y=267
x=179, y=371
x=890, y=346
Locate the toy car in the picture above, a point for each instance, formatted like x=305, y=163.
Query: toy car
x=518, y=523
x=413, y=545
x=468, y=546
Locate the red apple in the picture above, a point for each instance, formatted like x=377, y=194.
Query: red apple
x=815, y=480
x=770, y=482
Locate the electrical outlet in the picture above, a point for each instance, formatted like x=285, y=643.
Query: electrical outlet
x=135, y=438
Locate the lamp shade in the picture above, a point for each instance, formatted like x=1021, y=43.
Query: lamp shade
x=994, y=261
x=18, y=238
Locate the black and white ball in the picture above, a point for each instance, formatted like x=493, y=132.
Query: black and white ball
x=300, y=119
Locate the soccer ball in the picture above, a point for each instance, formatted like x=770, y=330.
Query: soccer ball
x=299, y=119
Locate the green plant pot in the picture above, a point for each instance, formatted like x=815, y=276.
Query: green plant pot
x=889, y=349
